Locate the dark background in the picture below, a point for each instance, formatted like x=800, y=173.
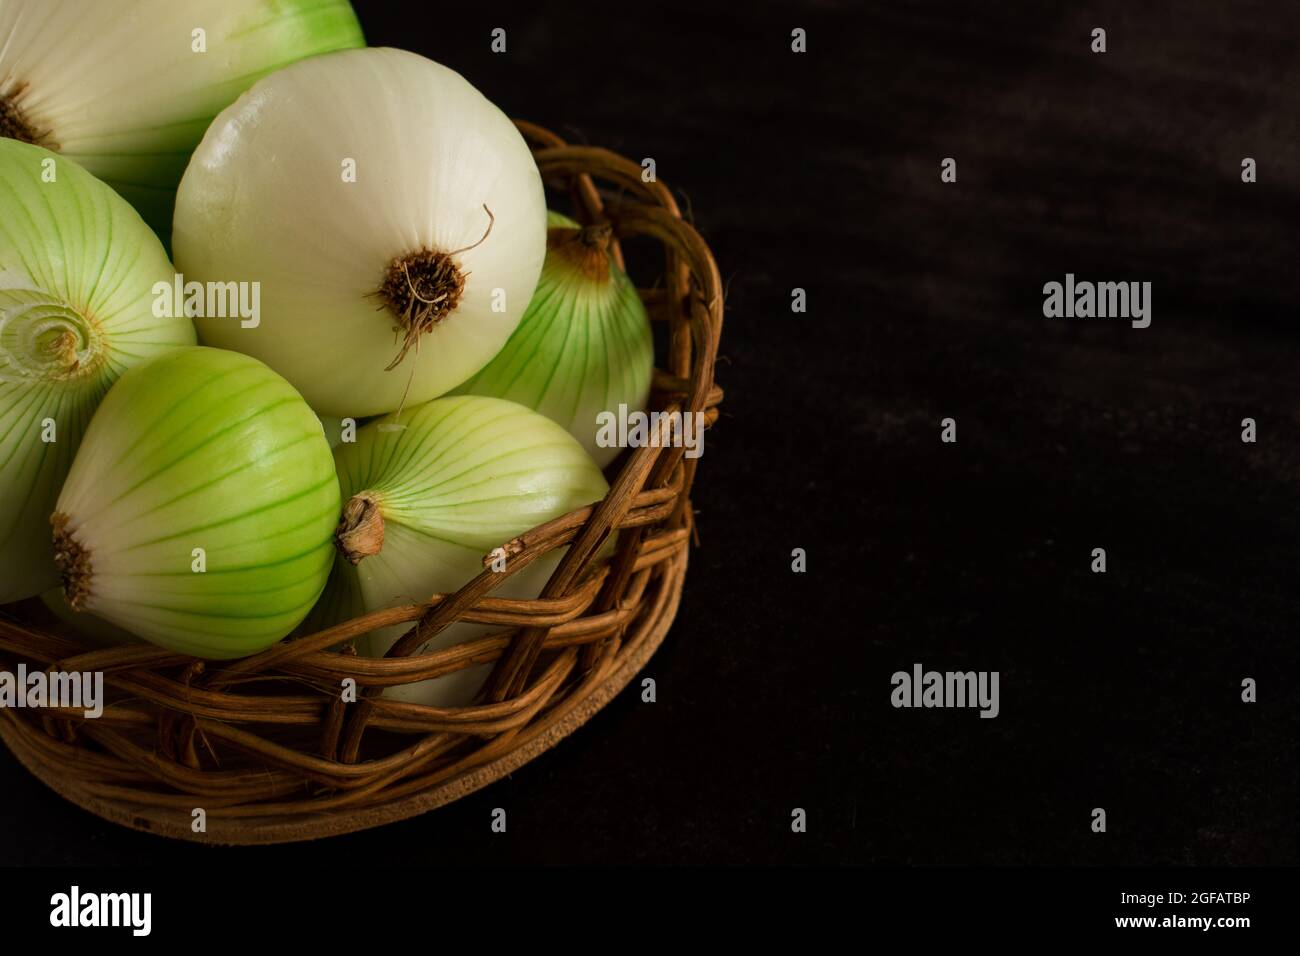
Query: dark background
x=821, y=171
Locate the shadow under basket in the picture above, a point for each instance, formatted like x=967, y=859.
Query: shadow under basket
x=268, y=748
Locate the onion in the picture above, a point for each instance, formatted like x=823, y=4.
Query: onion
x=123, y=89
x=583, y=346
x=393, y=216
x=77, y=267
x=425, y=503
x=199, y=508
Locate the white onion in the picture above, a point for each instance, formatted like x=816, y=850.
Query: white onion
x=120, y=88
x=198, y=512
x=425, y=503
x=583, y=347
x=77, y=266
x=442, y=178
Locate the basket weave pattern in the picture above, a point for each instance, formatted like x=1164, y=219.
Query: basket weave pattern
x=268, y=748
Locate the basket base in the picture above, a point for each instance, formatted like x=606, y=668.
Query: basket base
x=251, y=831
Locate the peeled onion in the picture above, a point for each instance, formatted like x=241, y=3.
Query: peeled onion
x=127, y=89
x=199, y=510
x=425, y=503
x=583, y=346
x=393, y=216
x=77, y=266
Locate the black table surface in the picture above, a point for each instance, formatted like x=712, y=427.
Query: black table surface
x=820, y=171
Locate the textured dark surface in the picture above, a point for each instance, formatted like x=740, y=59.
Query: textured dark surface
x=822, y=171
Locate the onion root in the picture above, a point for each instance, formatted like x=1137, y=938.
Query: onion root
x=73, y=561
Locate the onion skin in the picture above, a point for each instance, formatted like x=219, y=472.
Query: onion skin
x=120, y=89
x=206, y=449
x=270, y=197
x=424, y=504
x=584, y=345
x=77, y=266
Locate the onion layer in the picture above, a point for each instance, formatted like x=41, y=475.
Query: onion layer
x=426, y=502
x=77, y=266
x=393, y=216
x=198, y=512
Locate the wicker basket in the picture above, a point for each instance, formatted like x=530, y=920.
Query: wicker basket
x=267, y=747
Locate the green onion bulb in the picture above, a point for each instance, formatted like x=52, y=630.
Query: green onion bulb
x=583, y=346
x=425, y=501
x=199, y=510
x=394, y=217
x=77, y=267
x=127, y=89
